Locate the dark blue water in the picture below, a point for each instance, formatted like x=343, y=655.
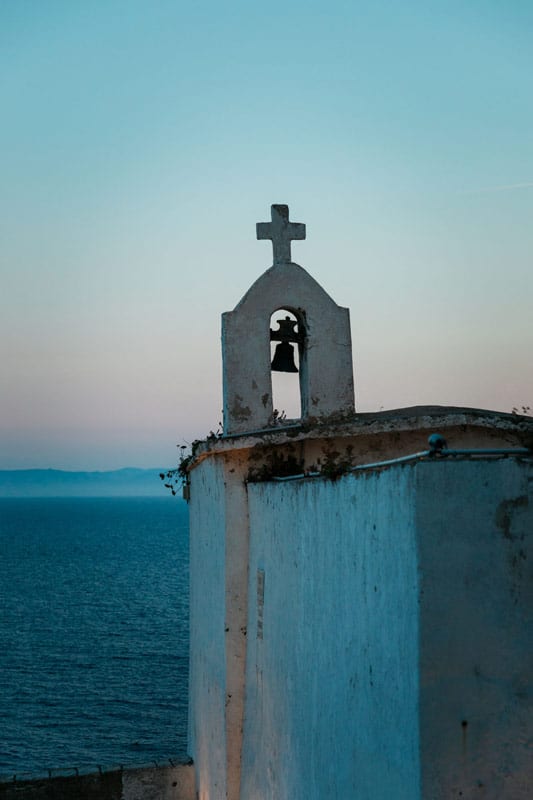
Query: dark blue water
x=93, y=632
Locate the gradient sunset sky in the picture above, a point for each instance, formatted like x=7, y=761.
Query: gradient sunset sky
x=140, y=143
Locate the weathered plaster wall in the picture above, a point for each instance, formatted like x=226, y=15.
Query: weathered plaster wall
x=440, y=631
x=380, y=435
x=207, y=679
x=390, y=618
x=475, y=529
x=219, y=608
x=236, y=610
x=332, y=685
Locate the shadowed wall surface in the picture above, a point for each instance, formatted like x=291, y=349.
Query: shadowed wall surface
x=388, y=636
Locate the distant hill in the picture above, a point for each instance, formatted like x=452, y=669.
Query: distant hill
x=129, y=482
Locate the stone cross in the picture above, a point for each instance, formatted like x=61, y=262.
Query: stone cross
x=281, y=231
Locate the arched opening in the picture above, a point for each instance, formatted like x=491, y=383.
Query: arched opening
x=287, y=335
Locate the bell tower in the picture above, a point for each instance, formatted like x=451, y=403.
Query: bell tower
x=320, y=332
x=360, y=605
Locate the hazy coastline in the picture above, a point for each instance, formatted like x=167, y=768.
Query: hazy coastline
x=127, y=482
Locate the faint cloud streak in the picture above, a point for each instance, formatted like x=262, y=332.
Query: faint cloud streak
x=505, y=188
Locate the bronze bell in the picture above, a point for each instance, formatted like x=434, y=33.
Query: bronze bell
x=283, y=360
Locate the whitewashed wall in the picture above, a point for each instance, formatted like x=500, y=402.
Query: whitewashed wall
x=396, y=634
x=332, y=687
x=207, y=674
x=387, y=633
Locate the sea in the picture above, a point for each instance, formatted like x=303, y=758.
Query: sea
x=93, y=633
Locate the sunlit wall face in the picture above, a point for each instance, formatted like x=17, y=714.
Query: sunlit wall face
x=139, y=147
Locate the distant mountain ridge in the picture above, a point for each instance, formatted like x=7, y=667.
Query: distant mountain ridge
x=127, y=482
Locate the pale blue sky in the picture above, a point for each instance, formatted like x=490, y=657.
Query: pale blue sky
x=141, y=142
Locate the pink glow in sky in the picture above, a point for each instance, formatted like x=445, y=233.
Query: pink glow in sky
x=140, y=144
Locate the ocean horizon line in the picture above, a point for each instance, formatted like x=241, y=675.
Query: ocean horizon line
x=50, y=482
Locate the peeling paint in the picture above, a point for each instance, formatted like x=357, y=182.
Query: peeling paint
x=504, y=514
x=239, y=411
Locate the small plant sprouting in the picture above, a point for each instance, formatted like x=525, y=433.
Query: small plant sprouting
x=522, y=410
x=178, y=478
x=283, y=463
x=215, y=434
x=277, y=418
x=334, y=464
x=277, y=464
